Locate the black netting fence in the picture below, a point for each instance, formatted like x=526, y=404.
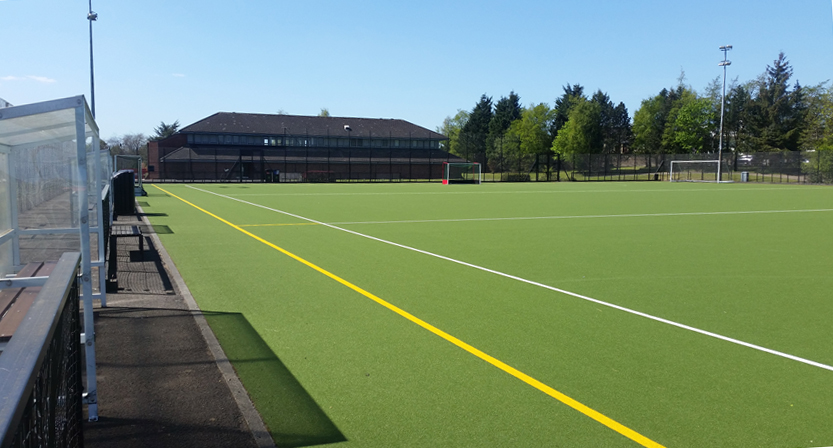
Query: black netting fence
x=772, y=167
x=207, y=164
x=505, y=163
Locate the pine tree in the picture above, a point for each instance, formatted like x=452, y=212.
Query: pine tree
x=474, y=133
x=572, y=95
x=507, y=110
x=777, y=111
x=165, y=130
x=606, y=111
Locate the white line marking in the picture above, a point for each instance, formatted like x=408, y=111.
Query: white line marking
x=627, y=215
x=624, y=190
x=541, y=285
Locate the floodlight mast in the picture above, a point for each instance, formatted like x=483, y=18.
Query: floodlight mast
x=725, y=63
x=92, y=16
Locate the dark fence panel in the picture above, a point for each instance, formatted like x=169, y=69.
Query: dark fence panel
x=301, y=164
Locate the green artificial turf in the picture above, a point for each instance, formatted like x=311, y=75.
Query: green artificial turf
x=324, y=363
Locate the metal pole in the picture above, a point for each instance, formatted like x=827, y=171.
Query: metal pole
x=92, y=16
x=91, y=397
x=725, y=49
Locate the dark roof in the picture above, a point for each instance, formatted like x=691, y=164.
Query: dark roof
x=266, y=124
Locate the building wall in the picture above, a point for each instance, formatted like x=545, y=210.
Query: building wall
x=174, y=141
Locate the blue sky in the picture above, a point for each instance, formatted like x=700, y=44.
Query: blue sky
x=419, y=61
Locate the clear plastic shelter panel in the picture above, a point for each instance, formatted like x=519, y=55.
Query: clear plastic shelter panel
x=44, y=184
x=6, y=260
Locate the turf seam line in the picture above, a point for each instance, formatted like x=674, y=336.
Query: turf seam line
x=551, y=288
x=531, y=218
x=578, y=406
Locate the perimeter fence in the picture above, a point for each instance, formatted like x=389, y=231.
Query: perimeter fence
x=229, y=164
x=771, y=167
x=405, y=165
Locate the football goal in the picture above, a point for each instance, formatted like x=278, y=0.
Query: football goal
x=699, y=171
x=461, y=173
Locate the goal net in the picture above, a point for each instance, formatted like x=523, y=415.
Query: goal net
x=699, y=171
x=461, y=173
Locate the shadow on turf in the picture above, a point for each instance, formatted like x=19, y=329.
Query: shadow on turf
x=293, y=417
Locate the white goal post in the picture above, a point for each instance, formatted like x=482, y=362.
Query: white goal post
x=461, y=173
x=698, y=171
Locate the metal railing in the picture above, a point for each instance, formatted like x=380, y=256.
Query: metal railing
x=41, y=367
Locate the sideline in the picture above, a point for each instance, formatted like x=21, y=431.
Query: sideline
x=589, y=412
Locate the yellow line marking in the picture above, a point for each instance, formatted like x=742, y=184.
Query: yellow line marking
x=277, y=225
x=589, y=412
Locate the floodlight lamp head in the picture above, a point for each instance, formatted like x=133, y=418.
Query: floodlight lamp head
x=724, y=63
x=725, y=47
x=347, y=128
x=92, y=16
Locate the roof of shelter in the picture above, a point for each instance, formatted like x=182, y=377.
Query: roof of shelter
x=268, y=124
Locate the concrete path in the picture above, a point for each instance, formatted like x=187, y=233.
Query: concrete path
x=163, y=380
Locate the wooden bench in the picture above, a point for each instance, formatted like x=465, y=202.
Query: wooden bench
x=15, y=302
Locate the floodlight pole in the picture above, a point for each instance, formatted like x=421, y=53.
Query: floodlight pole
x=725, y=63
x=92, y=16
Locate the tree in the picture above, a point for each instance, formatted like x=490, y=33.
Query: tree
x=165, y=130
x=614, y=123
x=648, y=126
x=451, y=128
x=620, y=128
x=653, y=124
x=818, y=129
x=473, y=135
x=129, y=144
x=532, y=129
x=674, y=103
x=777, y=112
x=583, y=132
x=563, y=105
x=507, y=110
x=694, y=124
x=605, y=118
x=324, y=112
x=736, y=119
